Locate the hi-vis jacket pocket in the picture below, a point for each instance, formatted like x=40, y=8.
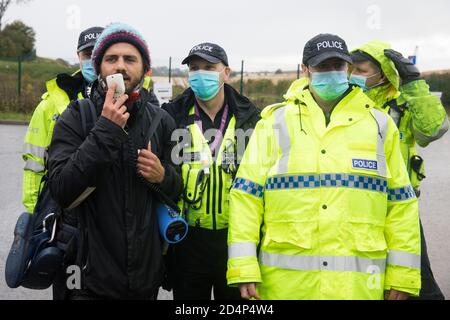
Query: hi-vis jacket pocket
x=365, y=237
x=283, y=235
x=364, y=158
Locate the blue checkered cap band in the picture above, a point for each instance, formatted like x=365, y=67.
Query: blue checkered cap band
x=401, y=194
x=249, y=187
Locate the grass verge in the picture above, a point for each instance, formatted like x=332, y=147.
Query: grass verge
x=13, y=116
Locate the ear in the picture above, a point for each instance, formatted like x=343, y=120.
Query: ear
x=226, y=74
x=79, y=59
x=305, y=70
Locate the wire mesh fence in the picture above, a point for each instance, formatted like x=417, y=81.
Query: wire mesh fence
x=22, y=83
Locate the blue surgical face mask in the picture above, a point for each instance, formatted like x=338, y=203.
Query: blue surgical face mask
x=205, y=84
x=361, y=81
x=88, y=71
x=329, y=85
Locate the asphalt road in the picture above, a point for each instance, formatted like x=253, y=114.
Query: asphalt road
x=435, y=208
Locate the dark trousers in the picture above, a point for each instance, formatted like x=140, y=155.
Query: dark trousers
x=430, y=289
x=87, y=295
x=199, y=267
x=59, y=288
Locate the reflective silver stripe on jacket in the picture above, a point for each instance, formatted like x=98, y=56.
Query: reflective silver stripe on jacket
x=323, y=263
x=382, y=120
x=404, y=259
x=425, y=140
x=34, y=166
x=243, y=249
x=36, y=151
x=281, y=131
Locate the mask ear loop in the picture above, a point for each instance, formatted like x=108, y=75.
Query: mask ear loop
x=223, y=84
x=379, y=84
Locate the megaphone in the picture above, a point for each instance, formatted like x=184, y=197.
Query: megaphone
x=172, y=226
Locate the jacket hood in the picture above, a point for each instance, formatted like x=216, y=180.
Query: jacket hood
x=376, y=50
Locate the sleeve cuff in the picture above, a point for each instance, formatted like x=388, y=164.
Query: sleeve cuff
x=167, y=183
x=249, y=273
x=403, y=279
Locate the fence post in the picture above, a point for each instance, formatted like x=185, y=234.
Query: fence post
x=242, y=78
x=19, y=76
x=170, y=70
x=298, y=71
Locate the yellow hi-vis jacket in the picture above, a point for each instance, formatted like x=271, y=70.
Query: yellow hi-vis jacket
x=338, y=214
x=38, y=138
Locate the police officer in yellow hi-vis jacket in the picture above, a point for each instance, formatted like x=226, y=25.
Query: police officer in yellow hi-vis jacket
x=60, y=91
x=396, y=87
x=214, y=121
x=324, y=177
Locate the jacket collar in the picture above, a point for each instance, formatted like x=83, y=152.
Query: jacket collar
x=243, y=109
x=71, y=84
x=353, y=107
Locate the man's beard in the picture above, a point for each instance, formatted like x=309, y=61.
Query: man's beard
x=132, y=86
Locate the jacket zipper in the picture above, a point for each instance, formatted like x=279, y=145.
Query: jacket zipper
x=220, y=189
x=208, y=195
x=214, y=197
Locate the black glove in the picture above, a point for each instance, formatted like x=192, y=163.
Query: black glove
x=406, y=69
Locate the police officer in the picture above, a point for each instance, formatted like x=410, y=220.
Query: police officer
x=324, y=179
x=395, y=85
x=60, y=91
x=214, y=121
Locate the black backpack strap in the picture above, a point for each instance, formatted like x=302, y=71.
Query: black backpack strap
x=154, y=124
x=68, y=233
x=88, y=113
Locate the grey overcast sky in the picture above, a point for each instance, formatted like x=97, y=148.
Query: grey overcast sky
x=267, y=34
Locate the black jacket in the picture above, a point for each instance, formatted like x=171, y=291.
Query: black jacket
x=245, y=112
x=120, y=249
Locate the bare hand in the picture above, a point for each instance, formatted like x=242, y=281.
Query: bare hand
x=115, y=110
x=248, y=291
x=396, y=295
x=150, y=167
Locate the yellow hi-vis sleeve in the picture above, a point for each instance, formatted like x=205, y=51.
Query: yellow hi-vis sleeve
x=247, y=207
x=34, y=149
x=402, y=230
